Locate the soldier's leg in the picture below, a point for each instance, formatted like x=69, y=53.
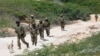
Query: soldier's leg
x=35, y=40
x=18, y=42
x=42, y=35
x=32, y=39
x=62, y=26
x=23, y=40
x=48, y=31
x=96, y=19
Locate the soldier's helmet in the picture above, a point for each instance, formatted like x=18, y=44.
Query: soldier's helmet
x=32, y=16
x=61, y=15
x=17, y=23
x=46, y=19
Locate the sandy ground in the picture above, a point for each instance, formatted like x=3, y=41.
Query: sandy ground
x=78, y=31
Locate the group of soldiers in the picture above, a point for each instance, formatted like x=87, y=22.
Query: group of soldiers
x=34, y=30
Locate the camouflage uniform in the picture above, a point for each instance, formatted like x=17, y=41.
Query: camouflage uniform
x=20, y=35
x=41, y=29
x=47, y=26
x=33, y=32
x=62, y=23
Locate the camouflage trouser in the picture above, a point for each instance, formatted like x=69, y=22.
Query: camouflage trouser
x=47, y=31
x=41, y=34
x=96, y=19
x=34, y=39
x=62, y=26
x=23, y=40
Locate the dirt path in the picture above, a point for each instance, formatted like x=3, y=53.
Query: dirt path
x=81, y=29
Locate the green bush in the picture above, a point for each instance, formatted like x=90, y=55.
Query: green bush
x=6, y=22
x=88, y=47
x=93, y=4
x=75, y=11
x=43, y=8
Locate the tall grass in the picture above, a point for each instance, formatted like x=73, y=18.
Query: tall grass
x=88, y=47
x=42, y=9
x=6, y=22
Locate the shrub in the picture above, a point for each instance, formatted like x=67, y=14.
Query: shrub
x=88, y=47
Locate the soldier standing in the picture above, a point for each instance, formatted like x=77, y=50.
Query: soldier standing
x=62, y=23
x=20, y=35
x=33, y=32
x=47, y=26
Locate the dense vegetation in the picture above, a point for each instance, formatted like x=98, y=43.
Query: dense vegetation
x=72, y=9
x=88, y=47
x=92, y=4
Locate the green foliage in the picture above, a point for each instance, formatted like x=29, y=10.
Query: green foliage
x=43, y=8
x=88, y=47
x=75, y=11
x=6, y=22
x=93, y=4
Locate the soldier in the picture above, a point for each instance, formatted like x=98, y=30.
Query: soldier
x=32, y=20
x=47, y=26
x=96, y=17
x=41, y=30
x=33, y=32
x=62, y=23
x=20, y=35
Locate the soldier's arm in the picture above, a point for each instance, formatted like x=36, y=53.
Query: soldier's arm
x=22, y=28
x=49, y=24
x=15, y=30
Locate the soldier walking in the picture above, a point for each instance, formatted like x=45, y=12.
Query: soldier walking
x=33, y=32
x=62, y=23
x=20, y=35
x=47, y=26
x=41, y=30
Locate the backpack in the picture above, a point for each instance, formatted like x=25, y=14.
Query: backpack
x=46, y=24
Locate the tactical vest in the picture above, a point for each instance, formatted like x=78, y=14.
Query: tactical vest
x=33, y=31
x=20, y=31
x=61, y=20
x=46, y=24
